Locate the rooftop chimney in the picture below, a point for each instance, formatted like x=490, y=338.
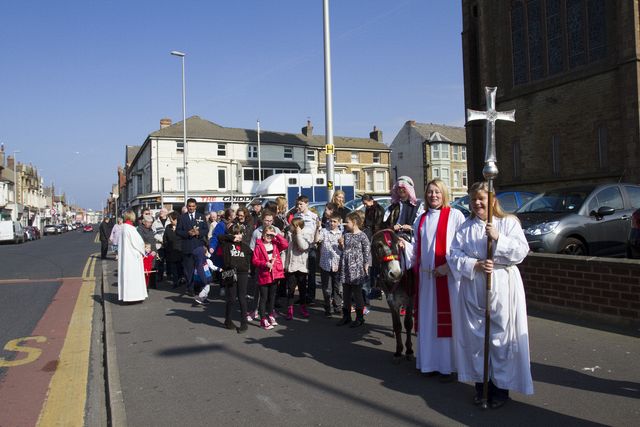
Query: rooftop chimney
x=411, y=123
x=376, y=134
x=308, y=129
x=165, y=123
x=10, y=161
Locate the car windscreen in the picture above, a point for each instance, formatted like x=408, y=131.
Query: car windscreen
x=556, y=201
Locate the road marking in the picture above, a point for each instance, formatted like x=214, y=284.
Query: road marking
x=16, y=345
x=67, y=393
x=88, y=273
x=97, y=239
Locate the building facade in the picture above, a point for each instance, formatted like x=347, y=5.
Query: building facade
x=570, y=69
x=425, y=151
x=223, y=163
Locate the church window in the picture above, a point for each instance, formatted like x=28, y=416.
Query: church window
x=536, y=42
x=555, y=38
x=597, y=33
x=575, y=33
x=519, y=44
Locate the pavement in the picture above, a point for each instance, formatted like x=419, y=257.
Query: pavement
x=169, y=362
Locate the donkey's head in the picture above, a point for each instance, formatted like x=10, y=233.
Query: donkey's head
x=385, y=254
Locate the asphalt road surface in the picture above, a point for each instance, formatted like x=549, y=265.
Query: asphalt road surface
x=46, y=296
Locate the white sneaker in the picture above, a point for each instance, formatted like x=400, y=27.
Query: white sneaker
x=249, y=318
x=256, y=315
x=272, y=320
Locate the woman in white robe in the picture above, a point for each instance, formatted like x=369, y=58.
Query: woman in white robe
x=131, y=283
x=509, y=363
x=435, y=350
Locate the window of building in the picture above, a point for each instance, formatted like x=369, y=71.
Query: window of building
x=376, y=158
x=603, y=158
x=250, y=174
x=311, y=155
x=552, y=36
x=253, y=152
x=179, y=146
x=380, y=181
x=440, y=151
x=465, y=181
x=356, y=178
x=138, y=185
x=288, y=152
x=180, y=179
x=369, y=181
x=463, y=153
x=222, y=150
x=222, y=178
x=436, y=173
x=455, y=152
x=555, y=155
x=435, y=151
x=354, y=157
x=456, y=179
x=445, y=176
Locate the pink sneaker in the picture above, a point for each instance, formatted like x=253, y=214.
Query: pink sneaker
x=303, y=310
x=272, y=320
x=249, y=318
x=264, y=324
x=256, y=315
x=290, y=312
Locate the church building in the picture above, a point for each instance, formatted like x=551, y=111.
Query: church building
x=571, y=70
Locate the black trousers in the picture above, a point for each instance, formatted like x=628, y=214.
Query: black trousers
x=298, y=279
x=104, y=247
x=311, y=282
x=174, y=269
x=354, y=291
x=267, y=299
x=237, y=290
x=331, y=289
x=188, y=264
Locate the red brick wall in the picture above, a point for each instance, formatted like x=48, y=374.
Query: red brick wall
x=605, y=288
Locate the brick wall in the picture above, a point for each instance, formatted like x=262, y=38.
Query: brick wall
x=603, y=288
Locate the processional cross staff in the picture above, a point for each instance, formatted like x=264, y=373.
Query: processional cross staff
x=490, y=171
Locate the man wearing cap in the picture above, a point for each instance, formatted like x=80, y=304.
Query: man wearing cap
x=255, y=211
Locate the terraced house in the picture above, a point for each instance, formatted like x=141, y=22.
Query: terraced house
x=223, y=168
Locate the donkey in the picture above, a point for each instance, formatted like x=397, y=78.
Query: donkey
x=398, y=286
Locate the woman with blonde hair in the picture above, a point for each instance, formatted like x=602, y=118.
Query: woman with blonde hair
x=131, y=283
x=437, y=288
x=339, y=199
x=509, y=361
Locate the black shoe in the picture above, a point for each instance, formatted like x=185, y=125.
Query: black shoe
x=230, y=325
x=447, y=378
x=344, y=321
x=243, y=327
x=496, y=403
x=357, y=323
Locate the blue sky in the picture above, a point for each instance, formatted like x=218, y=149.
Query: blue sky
x=79, y=80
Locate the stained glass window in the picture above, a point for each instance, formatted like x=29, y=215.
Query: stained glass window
x=519, y=44
x=536, y=42
x=597, y=33
x=555, y=38
x=575, y=33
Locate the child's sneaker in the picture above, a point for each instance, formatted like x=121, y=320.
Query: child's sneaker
x=264, y=323
x=272, y=320
x=249, y=318
x=256, y=315
x=366, y=310
x=303, y=311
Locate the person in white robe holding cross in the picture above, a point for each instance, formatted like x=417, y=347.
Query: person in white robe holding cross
x=509, y=362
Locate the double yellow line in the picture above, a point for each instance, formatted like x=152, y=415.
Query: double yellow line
x=67, y=395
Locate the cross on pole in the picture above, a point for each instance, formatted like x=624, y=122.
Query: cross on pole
x=490, y=170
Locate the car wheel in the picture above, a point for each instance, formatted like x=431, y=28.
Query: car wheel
x=573, y=246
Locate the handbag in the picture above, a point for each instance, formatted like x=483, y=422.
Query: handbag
x=229, y=276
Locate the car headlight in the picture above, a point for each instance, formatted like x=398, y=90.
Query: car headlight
x=544, y=228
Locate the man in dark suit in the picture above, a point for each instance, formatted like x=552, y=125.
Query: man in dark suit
x=192, y=229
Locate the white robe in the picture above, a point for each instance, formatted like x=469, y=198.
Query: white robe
x=509, y=363
x=131, y=283
x=433, y=353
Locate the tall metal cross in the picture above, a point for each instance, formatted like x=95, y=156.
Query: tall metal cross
x=490, y=170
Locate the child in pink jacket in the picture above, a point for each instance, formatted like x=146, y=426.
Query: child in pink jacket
x=269, y=267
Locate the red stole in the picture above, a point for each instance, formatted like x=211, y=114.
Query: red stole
x=444, y=327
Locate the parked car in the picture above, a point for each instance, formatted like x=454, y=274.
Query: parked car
x=633, y=242
x=87, y=228
x=510, y=201
x=11, y=231
x=585, y=220
x=357, y=205
x=49, y=229
x=62, y=228
x=28, y=234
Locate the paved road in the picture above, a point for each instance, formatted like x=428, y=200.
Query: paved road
x=178, y=365
x=46, y=308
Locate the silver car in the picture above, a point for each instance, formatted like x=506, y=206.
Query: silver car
x=585, y=220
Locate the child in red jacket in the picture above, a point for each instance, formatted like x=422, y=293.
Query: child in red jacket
x=269, y=268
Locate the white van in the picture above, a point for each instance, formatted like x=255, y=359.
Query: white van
x=11, y=231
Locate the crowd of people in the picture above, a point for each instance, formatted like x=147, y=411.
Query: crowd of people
x=261, y=255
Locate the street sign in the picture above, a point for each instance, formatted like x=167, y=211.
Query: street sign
x=329, y=148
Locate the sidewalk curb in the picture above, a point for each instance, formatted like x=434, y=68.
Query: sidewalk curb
x=115, y=403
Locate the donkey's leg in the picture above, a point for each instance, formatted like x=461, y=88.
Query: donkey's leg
x=408, y=327
x=397, y=326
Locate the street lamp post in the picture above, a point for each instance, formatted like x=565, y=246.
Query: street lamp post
x=15, y=186
x=185, y=151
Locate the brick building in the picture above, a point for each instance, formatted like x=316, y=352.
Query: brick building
x=570, y=69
